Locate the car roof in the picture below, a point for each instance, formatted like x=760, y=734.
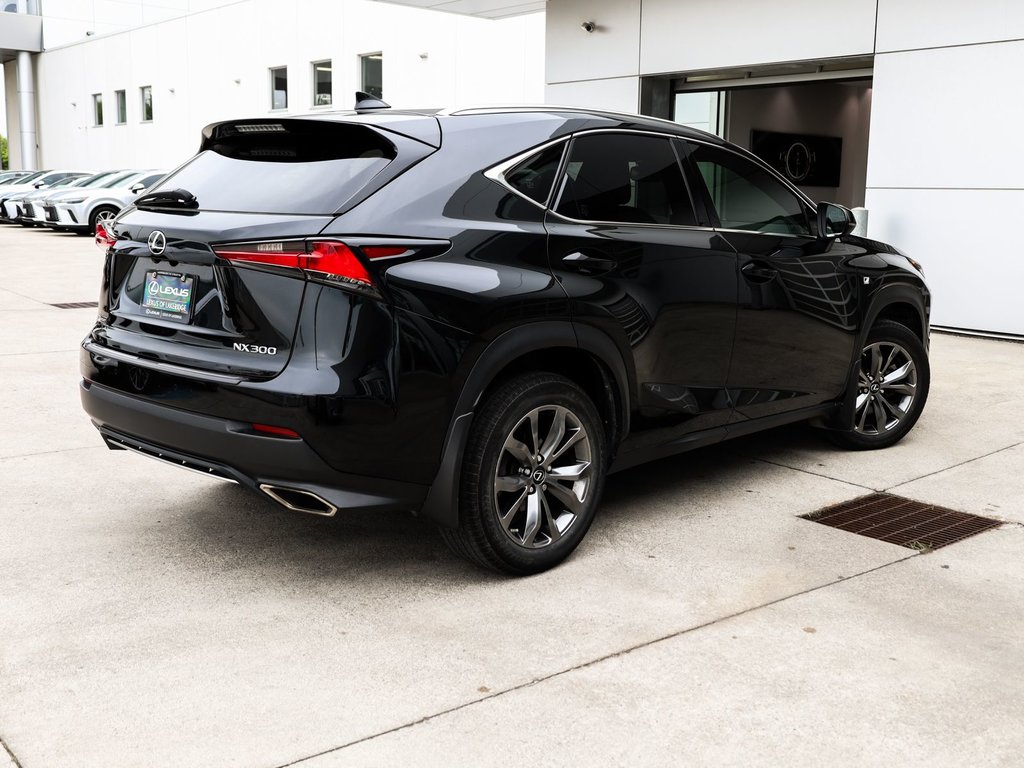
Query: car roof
x=423, y=124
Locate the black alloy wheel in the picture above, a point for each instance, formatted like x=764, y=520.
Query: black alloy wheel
x=891, y=388
x=532, y=475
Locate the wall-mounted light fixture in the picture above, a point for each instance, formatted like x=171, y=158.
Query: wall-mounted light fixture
x=588, y=26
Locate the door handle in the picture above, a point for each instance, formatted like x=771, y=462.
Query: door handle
x=758, y=272
x=588, y=265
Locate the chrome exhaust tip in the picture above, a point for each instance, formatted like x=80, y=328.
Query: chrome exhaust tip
x=299, y=501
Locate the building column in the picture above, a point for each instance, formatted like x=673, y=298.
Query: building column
x=27, y=110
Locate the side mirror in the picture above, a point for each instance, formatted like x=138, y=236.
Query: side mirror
x=39, y=184
x=834, y=220
x=137, y=187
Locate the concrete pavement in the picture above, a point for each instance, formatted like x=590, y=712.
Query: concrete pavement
x=149, y=617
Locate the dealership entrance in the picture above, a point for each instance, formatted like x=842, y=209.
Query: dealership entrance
x=808, y=120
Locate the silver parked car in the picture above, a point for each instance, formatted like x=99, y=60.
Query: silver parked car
x=45, y=213
x=11, y=177
x=17, y=206
x=82, y=209
x=31, y=183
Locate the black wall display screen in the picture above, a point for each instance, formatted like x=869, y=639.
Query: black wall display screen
x=809, y=161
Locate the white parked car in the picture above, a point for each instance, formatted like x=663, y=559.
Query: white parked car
x=31, y=183
x=81, y=210
x=48, y=198
x=14, y=205
x=11, y=177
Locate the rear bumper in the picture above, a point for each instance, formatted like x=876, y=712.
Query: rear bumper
x=230, y=450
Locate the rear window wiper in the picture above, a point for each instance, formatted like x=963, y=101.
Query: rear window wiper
x=168, y=198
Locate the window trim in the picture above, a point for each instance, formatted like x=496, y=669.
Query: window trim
x=97, y=110
x=362, y=81
x=117, y=107
x=142, y=104
x=313, y=104
x=270, y=73
x=496, y=173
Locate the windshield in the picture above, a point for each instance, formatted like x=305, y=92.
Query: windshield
x=67, y=181
x=99, y=179
x=122, y=179
x=30, y=178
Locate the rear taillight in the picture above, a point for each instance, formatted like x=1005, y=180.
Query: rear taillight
x=326, y=261
x=104, y=237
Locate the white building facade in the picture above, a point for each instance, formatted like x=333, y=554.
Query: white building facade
x=132, y=83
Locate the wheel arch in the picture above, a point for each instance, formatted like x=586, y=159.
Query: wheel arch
x=901, y=303
x=591, y=360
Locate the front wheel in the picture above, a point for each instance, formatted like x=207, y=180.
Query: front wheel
x=532, y=476
x=891, y=388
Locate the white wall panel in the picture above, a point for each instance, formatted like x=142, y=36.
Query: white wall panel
x=193, y=62
x=948, y=117
x=904, y=24
x=611, y=50
x=621, y=94
x=707, y=34
x=959, y=236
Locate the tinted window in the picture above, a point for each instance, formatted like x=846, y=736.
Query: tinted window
x=282, y=166
x=533, y=177
x=748, y=197
x=625, y=178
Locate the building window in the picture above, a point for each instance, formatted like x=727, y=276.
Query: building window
x=122, y=107
x=279, y=88
x=97, y=109
x=146, y=94
x=322, y=88
x=371, y=68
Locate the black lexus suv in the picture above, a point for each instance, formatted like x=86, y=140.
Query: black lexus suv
x=476, y=315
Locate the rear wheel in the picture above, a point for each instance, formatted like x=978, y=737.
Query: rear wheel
x=891, y=388
x=532, y=476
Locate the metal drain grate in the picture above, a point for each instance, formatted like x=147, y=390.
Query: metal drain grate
x=76, y=305
x=902, y=521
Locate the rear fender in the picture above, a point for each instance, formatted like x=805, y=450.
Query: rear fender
x=442, y=502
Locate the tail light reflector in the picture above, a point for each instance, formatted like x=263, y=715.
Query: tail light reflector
x=270, y=429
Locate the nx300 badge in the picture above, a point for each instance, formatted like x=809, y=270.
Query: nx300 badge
x=254, y=349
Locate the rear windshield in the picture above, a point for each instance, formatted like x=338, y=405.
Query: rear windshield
x=282, y=166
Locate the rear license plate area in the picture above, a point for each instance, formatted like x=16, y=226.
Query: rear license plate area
x=168, y=296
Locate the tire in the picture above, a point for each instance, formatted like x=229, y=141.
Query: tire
x=891, y=388
x=103, y=213
x=504, y=525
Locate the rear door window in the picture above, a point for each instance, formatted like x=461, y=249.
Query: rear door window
x=286, y=166
x=628, y=178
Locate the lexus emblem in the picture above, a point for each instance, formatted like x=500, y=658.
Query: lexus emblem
x=157, y=242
